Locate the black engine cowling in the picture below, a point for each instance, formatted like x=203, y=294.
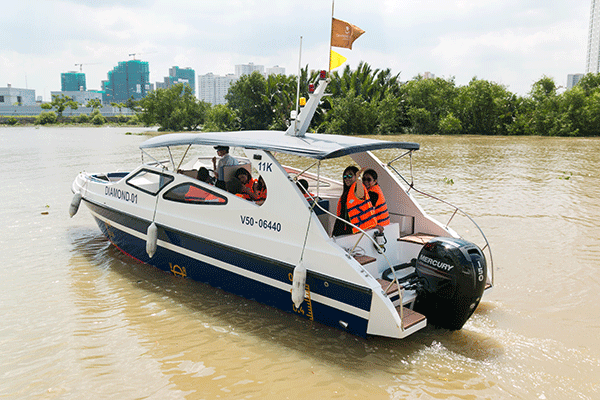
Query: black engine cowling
x=453, y=277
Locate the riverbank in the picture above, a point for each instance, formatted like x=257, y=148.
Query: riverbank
x=80, y=120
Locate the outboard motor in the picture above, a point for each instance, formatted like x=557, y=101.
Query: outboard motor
x=453, y=277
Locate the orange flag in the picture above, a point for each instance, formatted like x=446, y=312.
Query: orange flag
x=344, y=34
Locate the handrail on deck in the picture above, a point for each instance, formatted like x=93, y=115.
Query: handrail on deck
x=411, y=186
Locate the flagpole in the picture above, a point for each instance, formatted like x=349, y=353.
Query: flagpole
x=331, y=36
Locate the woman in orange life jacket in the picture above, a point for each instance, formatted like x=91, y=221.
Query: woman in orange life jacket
x=377, y=198
x=239, y=187
x=245, y=178
x=354, y=206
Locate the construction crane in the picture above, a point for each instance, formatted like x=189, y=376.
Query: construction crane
x=139, y=54
x=82, y=64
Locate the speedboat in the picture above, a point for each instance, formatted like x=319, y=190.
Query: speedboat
x=280, y=251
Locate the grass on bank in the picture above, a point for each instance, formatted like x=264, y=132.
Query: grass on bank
x=51, y=118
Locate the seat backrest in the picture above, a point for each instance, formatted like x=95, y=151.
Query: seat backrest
x=229, y=170
x=192, y=173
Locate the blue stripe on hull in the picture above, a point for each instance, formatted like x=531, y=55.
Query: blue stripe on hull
x=172, y=261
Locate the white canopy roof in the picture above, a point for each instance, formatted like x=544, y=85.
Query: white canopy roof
x=318, y=146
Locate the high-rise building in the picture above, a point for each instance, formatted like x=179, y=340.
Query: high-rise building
x=592, y=64
x=179, y=75
x=276, y=70
x=247, y=69
x=213, y=88
x=183, y=75
x=72, y=81
x=572, y=80
x=127, y=79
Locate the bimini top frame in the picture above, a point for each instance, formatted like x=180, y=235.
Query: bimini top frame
x=317, y=146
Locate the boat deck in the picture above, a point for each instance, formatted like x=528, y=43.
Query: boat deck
x=419, y=238
x=408, y=316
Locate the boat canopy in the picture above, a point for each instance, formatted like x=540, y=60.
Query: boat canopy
x=315, y=145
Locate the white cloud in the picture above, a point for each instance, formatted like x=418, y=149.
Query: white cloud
x=513, y=42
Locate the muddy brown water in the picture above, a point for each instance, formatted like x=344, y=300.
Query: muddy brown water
x=78, y=319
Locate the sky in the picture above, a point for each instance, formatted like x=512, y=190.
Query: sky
x=510, y=42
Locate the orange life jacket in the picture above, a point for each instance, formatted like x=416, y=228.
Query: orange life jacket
x=381, y=211
x=360, y=211
x=249, y=186
x=261, y=194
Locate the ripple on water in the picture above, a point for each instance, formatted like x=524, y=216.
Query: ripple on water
x=82, y=320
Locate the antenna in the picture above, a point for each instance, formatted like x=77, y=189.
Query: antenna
x=298, y=88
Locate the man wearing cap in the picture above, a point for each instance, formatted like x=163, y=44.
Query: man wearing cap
x=224, y=160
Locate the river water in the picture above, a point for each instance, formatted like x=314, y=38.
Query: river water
x=81, y=320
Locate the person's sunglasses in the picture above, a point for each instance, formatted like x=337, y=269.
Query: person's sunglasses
x=367, y=179
x=348, y=176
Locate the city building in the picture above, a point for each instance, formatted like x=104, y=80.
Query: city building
x=592, y=64
x=213, y=88
x=79, y=96
x=127, y=79
x=276, y=70
x=179, y=75
x=572, y=80
x=247, y=69
x=10, y=96
x=72, y=81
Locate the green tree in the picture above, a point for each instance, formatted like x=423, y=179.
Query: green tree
x=389, y=115
x=173, y=109
x=364, y=81
x=377, y=101
x=220, y=118
x=96, y=118
x=450, y=125
x=132, y=104
x=427, y=102
x=60, y=102
x=120, y=106
x=589, y=83
x=485, y=107
x=350, y=115
x=248, y=98
x=94, y=104
x=281, y=93
x=46, y=118
x=545, y=113
x=582, y=105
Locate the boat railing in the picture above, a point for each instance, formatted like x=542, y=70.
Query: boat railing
x=454, y=211
x=351, y=253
